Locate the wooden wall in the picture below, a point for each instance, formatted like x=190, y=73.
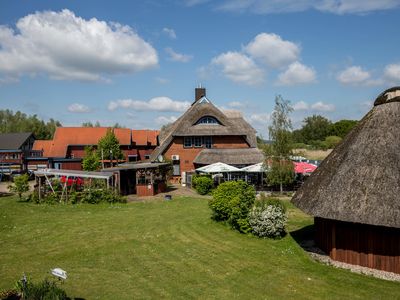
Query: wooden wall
x=371, y=246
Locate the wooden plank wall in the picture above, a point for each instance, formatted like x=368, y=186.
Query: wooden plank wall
x=371, y=246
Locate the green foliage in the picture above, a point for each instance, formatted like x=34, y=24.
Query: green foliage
x=97, y=192
x=279, y=130
x=280, y=173
x=342, y=128
x=281, y=147
x=332, y=141
x=43, y=290
x=20, y=122
x=315, y=128
x=300, y=146
x=231, y=202
x=109, y=146
x=91, y=161
x=20, y=185
x=202, y=184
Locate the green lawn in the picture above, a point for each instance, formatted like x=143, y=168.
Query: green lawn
x=166, y=250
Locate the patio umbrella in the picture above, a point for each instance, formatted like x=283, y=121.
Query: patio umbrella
x=218, y=167
x=257, y=168
x=303, y=168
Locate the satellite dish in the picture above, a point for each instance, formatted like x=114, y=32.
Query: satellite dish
x=160, y=158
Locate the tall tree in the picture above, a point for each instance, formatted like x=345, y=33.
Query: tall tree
x=315, y=128
x=108, y=146
x=91, y=161
x=281, y=171
x=20, y=122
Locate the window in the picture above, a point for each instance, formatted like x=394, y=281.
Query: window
x=198, y=141
x=208, y=142
x=132, y=158
x=147, y=156
x=187, y=142
x=208, y=121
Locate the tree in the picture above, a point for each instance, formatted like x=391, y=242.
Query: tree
x=20, y=186
x=342, y=128
x=280, y=133
x=20, y=122
x=315, y=128
x=108, y=147
x=91, y=161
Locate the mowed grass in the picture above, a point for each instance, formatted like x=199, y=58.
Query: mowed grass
x=165, y=249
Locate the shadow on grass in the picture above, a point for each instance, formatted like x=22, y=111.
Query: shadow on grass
x=304, y=237
x=5, y=194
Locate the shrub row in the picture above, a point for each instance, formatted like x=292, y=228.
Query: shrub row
x=203, y=184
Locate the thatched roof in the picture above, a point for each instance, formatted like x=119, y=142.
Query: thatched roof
x=360, y=180
x=230, y=125
x=243, y=156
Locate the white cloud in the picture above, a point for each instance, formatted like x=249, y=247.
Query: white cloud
x=272, y=50
x=65, y=46
x=162, y=120
x=169, y=32
x=161, y=80
x=262, y=118
x=392, y=73
x=333, y=6
x=297, y=73
x=78, y=108
x=154, y=104
x=174, y=56
x=301, y=105
x=239, y=68
x=353, y=75
x=321, y=106
x=236, y=104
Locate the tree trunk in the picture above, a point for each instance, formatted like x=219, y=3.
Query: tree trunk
x=281, y=186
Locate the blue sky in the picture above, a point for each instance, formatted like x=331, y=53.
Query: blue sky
x=137, y=62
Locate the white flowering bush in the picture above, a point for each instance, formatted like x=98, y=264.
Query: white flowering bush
x=268, y=219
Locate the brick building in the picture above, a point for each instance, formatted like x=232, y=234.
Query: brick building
x=204, y=135
x=67, y=148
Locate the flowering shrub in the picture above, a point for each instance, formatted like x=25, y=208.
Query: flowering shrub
x=268, y=219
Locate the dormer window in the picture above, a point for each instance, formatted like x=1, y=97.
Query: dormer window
x=208, y=121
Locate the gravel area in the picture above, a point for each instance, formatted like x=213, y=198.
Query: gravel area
x=318, y=255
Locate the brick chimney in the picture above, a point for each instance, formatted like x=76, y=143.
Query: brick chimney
x=199, y=92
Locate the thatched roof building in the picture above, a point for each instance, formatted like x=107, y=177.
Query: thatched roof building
x=355, y=191
x=204, y=135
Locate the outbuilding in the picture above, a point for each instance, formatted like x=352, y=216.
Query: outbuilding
x=354, y=194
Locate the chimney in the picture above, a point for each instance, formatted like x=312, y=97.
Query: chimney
x=199, y=92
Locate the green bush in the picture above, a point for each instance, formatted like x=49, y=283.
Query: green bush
x=268, y=218
x=202, y=184
x=231, y=202
x=332, y=141
x=44, y=290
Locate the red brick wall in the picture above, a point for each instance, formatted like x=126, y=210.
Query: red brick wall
x=187, y=155
x=71, y=165
x=141, y=151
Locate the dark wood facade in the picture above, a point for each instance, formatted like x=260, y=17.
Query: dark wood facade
x=370, y=246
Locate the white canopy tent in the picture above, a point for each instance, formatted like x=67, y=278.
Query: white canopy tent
x=257, y=168
x=218, y=167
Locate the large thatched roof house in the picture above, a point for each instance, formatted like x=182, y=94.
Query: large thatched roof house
x=204, y=135
x=354, y=195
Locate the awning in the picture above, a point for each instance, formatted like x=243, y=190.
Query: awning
x=218, y=167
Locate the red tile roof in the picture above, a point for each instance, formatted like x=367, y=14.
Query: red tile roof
x=145, y=137
x=67, y=136
x=45, y=145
